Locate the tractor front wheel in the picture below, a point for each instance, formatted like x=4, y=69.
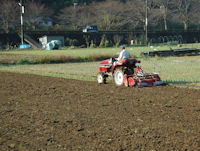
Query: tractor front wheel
x=101, y=79
x=119, y=77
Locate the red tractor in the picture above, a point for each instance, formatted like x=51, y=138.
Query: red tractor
x=126, y=72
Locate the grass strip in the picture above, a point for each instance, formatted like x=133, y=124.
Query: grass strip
x=192, y=85
x=58, y=75
x=55, y=59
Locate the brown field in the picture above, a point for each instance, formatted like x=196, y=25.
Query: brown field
x=44, y=113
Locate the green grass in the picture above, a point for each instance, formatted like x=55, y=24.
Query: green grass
x=175, y=70
x=85, y=52
x=46, y=73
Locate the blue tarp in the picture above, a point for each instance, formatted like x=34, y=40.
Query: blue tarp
x=25, y=46
x=54, y=44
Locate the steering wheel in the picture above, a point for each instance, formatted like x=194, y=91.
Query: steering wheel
x=113, y=59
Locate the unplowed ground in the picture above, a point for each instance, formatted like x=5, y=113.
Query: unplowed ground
x=12, y=58
x=55, y=114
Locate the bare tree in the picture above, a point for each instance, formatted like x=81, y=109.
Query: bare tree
x=9, y=11
x=68, y=17
x=130, y=14
x=135, y=13
x=195, y=18
x=76, y=17
x=166, y=8
x=186, y=10
x=35, y=13
x=109, y=15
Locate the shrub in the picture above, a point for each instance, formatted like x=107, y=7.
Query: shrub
x=24, y=61
x=117, y=45
x=93, y=46
x=102, y=43
x=87, y=39
x=67, y=41
x=83, y=46
x=108, y=44
x=73, y=42
x=140, y=40
x=72, y=47
x=45, y=60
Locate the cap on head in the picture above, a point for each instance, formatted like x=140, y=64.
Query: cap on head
x=122, y=47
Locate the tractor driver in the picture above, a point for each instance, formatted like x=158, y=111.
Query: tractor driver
x=124, y=54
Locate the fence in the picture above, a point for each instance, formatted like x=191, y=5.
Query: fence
x=95, y=38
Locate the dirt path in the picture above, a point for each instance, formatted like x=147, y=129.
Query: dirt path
x=45, y=113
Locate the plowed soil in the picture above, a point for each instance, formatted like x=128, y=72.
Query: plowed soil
x=44, y=113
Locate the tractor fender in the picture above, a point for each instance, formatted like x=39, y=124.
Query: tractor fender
x=115, y=67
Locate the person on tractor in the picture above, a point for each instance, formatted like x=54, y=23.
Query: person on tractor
x=124, y=54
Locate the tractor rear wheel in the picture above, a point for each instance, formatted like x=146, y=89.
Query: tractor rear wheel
x=101, y=78
x=119, y=77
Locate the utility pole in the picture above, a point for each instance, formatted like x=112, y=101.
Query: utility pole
x=146, y=22
x=22, y=24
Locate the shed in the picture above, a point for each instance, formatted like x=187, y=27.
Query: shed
x=46, y=39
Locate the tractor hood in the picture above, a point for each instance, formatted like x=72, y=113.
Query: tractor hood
x=106, y=62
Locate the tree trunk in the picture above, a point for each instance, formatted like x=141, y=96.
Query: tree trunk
x=185, y=25
x=6, y=27
x=144, y=25
x=165, y=22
